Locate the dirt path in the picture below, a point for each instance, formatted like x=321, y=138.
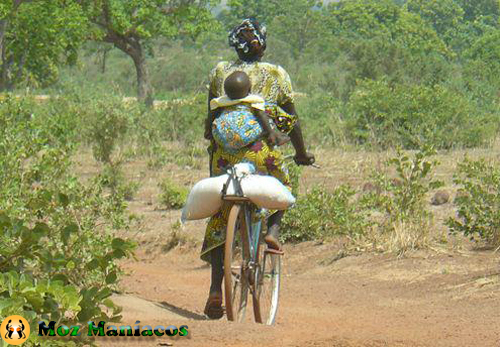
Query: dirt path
x=428, y=298
x=366, y=300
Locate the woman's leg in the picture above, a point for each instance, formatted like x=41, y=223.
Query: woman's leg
x=273, y=230
x=217, y=256
x=213, y=308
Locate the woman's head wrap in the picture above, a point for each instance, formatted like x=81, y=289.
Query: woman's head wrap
x=239, y=42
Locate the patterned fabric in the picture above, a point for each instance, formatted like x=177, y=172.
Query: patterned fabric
x=236, y=127
x=266, y=160
x=238, y=42
x=269, y=81
x=273, y=84
x=283, y=121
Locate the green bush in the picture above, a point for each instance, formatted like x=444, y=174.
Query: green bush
x=414, y=115
x=108, y=123
x=321, y=119
x=404, y=220
x=172, y=195
x=320, y=214
x=402, y=197
x=57, y=254
x=478, y=202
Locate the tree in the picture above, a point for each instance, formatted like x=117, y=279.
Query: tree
x=133, y=25
x=36, y=37
x=237, y=10
x=297, y=22
x=474, y=9
x=444, y=15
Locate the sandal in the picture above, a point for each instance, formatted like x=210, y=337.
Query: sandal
x=213, y=308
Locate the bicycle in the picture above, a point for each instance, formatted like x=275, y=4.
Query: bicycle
x=249, y=266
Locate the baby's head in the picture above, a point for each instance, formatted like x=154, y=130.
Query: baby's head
x=237, y=85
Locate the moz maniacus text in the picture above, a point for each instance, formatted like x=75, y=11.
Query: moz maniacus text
x=111, y=330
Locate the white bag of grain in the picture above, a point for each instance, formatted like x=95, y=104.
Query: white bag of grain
x=205, y=199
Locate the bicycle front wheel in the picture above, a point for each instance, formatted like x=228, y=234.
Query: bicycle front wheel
x=267, y=285
x=236, y=256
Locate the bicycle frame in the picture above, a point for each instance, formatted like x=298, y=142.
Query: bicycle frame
x=250, y=271
x=250, y=210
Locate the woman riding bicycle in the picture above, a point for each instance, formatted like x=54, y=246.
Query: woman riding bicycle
x=273, y=84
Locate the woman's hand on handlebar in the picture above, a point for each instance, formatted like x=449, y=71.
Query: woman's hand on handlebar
x=304, y=159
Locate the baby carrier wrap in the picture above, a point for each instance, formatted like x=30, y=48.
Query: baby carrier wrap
x=237, y=126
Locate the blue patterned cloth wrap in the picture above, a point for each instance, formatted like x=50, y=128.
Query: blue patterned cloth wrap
x=236, y=127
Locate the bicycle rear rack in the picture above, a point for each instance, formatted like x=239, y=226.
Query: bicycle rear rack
x=235, y=198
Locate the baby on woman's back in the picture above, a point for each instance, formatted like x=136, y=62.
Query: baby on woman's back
x=242, y=119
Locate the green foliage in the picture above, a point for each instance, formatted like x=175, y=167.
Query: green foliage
x=414, y=115
x=443, y=15
x=264, y=11
x=320, y=214
x=404, y=222
x=402, y=198
x=473, y=9
x=172, y=195
x=37, y=37
x=148, y=19
x=132, y=27
x=108, y=123
x=478, y=202
x=486, y=48
x=365, y=39
x=182, y=120
x=322, y=119
x=384, y=21
x=294, y=171
x=57, y=255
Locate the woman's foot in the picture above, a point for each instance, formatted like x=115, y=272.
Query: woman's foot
x=213, y=307
x=271, y=238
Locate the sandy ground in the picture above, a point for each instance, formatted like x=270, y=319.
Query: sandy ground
x=448, y=295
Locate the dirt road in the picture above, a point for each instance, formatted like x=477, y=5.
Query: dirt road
x=449, y=296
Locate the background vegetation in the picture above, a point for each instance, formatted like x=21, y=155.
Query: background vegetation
x=376, y=74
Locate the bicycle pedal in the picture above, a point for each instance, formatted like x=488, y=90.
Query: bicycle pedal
x=274, y=251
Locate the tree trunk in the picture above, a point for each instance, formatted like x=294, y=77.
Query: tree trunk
x=103, y=62
x=133, y=48
x=144, y=90
x=3, y=66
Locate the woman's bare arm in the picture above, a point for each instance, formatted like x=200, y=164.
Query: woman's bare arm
x=211, y=115
x=302, y=157
x=273, y=137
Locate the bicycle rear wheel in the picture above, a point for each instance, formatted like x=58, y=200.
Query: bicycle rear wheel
x=267, y=285
x=236, y=256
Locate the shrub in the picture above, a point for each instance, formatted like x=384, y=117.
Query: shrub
x=57, y=255
x=108, y=123
x=478, y=202
x=172, y=195
x=413, y=115
x=320, y=214
x=320, y=116
x=405, y=221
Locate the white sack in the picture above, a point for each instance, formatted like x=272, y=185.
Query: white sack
x=267, y=192
x=205, y=199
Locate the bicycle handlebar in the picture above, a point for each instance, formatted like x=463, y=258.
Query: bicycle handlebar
x=291, y=156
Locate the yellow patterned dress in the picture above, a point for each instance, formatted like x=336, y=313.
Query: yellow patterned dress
x=272, y=83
